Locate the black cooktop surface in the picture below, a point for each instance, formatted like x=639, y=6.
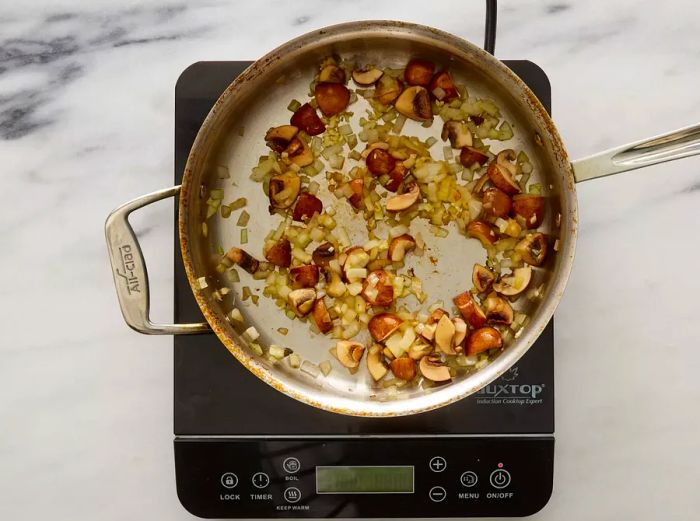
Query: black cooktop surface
x=215, y=395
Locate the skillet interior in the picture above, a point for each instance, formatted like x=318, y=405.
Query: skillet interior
x=256, y=101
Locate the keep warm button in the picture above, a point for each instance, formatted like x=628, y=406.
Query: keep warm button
x=499, y=478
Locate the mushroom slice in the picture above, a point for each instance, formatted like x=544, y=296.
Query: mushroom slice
x=470, y=155
x=382, y=325
x=243, y=259
x=442, y=87
x=304, y=276
x=302, y=300
x=387, y=90
x=299, y=152
x=460, y=333
x=332, y=98
x=414, y=103
x=502, y=170
x=469, y=309
x=380, y=162
x=530, y=208
x=496, y=203
x=433, y=369
x=349, y=353
x=533, y=248
x=404, y=368
x=307, y=120
x=278, y=138
x=307, y=206
x=399, y=246
x=284, y=189
x=356, y=186
x=377, y=289
x=427, y=330
x=498, y=310
x=444, y=335
x=322, y=317
x=405, y=200
x=419, y=72
x=367, y=77
x=514, y=284
x=396, y=177
x=324, y=254
x=482, y=231
x=483, y=339
x=375, y=362
x=332, y=74
x=280, y=253
x=419, y=349
x=482, y=277
x=458, y=133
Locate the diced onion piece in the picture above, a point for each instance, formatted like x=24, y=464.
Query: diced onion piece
x=294, y=360
x=399, y=342
x=310, y=368
x=325, y=367
x=252, y=333
x=235, y=315
x=222, y=172
x=202, y=282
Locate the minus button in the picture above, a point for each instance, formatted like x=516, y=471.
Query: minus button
x=437, y=494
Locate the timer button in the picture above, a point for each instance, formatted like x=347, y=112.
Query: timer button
x=437, y=464
x=500, y=478
x=437, y=494
x=260, y=480
x=292, y=495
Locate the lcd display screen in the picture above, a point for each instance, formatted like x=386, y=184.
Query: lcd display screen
x=395, y=479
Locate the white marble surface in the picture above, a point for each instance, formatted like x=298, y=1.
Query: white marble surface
x=86, y=122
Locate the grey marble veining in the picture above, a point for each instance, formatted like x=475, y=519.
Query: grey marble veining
x=86, y=123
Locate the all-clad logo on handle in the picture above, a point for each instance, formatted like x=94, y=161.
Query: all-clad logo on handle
x=127, y=269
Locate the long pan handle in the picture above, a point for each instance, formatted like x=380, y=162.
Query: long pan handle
x=680, y=143
x=129, y=270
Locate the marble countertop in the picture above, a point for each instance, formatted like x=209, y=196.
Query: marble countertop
x=86, y=123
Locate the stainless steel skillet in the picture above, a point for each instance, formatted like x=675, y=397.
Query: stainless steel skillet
x=257, y=100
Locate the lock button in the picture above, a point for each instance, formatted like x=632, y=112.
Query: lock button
x=229, y=480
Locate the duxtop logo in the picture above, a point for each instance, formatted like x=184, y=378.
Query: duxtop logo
x=507, y=390
x=128, y=269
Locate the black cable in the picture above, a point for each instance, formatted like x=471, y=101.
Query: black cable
x=490, y=30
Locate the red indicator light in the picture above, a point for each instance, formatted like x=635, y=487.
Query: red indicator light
x=500, y=465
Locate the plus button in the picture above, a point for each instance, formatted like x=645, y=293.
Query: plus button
x=437, y=464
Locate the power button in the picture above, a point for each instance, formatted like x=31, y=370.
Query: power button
x=499, y=478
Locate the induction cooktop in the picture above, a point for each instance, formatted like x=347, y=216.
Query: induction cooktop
x=244, y=450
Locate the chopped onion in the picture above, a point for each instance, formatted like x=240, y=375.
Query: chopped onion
x=235, y=315
x=252, y=333
x=325, y=367
x=294, y=360
x=222, y=172
x=202, y=282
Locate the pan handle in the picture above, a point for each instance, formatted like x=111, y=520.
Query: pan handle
x=680, y=143
x=129, y=269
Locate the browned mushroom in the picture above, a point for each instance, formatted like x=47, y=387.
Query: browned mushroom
x=405, y=200
x=324, y=254
x=482, y=277
x=243, y=259
x=498, y=310
x=307, y=206
x=399, y=246
x=377, y=289
x=469, y=309
x=530, y=208
x=432, y=368
x=496, y=203
x=278, y=138
x=382, y=325
x=414, y=103
x=304, y=276
x=482, y=231
x=322, y=317
x=442, y=87
x=419, y=72
x=302, y=300
x=502, y=170
x=483, y=339
x=284, y=189
x=404, y=368
x=367, y=77
x=332, y=73
x=470, y=155
x=306, y=119
x=533, y=248
x=380, y=162
x=349, y=353
x=332, y=98
x=280, y=253
x=514, y=284
x=387, y=90
x=458, y=133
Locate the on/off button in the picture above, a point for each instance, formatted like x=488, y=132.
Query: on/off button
x=500, y=478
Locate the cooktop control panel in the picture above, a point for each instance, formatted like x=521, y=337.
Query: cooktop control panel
x=403, y=477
